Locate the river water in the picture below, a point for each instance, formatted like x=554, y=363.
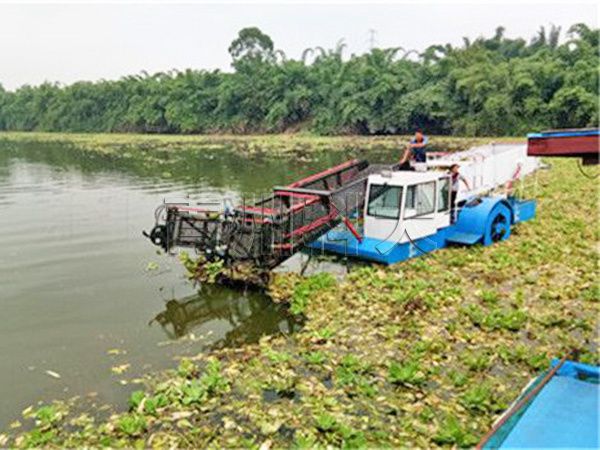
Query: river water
x=82, y=292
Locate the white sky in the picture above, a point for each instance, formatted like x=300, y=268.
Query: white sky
x=91, y=41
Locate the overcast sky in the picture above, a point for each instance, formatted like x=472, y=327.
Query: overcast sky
x=70, y=42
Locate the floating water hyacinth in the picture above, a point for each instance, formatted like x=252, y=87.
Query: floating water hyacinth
x=422, y=354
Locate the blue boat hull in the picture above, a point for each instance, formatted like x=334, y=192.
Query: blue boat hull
x=345, y=244
x=564, y=414
x=474, y=225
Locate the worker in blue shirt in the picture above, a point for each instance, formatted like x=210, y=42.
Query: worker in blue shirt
x=415, y=150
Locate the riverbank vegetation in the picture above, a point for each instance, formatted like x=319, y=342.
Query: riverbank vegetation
x=297, y=145
x=215, y=160
x=420, y=354
x=488, y=86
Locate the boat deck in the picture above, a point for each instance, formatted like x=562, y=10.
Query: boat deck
x=564, y=414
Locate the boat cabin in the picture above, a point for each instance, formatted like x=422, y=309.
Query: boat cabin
x=403, y=206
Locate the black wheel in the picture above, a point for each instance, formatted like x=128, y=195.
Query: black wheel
x=159, y=236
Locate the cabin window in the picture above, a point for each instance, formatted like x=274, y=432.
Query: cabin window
x=384, y=201
x=420, y=199
x=443, y=194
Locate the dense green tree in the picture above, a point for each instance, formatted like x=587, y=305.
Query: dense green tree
x=488, y=86
x=252, y=45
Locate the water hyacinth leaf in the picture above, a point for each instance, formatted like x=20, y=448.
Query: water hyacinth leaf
x=135, y=399
x=131, y=424
x=120, y=368
x=152, y=266
x=116, y=351
x=409, y=373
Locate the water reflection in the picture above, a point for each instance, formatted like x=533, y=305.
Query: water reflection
x=237, y=317
x=197, y=168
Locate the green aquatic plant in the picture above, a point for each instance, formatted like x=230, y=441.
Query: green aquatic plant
x=497, y=319
x=37, y=438
x=591, y=294
x=277, y=357
x=325, y=422
x=136, y=398
x=186, y=368
x=132, y=424
x=538, y=361
x=511, y=320
x=477, y=360
x=193, y=391
x=450, y=432
x=409, y=373
x=197, y=386
x=490, y=297
x=307, y=288
x=478, y=398
x=190, y=264
x=212, y=379
x=304, y=441
x=213, y=269
x=457, y=378
x=482, y=398
x=338, y=433
x=324, y=334
x=353, y=375
x=140, y=402
x=316, y=358
x=48, y=415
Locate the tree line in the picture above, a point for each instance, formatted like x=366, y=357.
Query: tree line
x=488, y=86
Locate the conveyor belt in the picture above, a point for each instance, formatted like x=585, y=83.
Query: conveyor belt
x=269, y=231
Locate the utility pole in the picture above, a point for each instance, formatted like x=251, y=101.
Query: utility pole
x=372, y=38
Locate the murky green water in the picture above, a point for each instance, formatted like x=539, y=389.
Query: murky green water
x=74, y=279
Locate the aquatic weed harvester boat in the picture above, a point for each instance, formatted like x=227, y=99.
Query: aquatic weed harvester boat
x=361, y=210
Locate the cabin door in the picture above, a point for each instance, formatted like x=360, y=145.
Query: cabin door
x=419, y=212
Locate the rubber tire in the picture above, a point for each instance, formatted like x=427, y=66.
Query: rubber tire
x=498, y=225
x=161, y=236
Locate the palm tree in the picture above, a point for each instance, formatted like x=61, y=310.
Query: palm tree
x=540, y=39
x=339, y=47
x=553, y=36
x=390, y=53
x=436, y=52
x=499, y=33
x=280, y=54
x=407, y=53
x=306, y=53
x=585, y=33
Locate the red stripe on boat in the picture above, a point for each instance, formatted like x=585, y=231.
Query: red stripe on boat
x=315, y=224
x=325, y=173
x=295, y=195
x=299, y=206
